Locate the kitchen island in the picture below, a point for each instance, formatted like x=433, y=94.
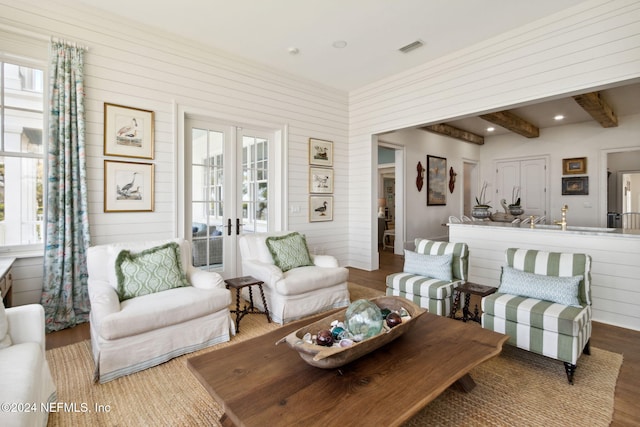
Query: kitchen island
x=615, y=266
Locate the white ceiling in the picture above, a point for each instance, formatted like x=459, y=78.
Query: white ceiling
x=264, y=30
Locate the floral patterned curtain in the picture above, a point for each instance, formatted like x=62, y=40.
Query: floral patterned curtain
x=65, y=297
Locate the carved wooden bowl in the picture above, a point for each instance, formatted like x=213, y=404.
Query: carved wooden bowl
x=334, y=357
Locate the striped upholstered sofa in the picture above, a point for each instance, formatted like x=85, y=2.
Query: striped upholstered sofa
x=543, y=304
x=432, y=293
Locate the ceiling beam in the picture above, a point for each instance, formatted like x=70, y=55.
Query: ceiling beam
x=454, y=132
x=598, y=108
x=510, y=121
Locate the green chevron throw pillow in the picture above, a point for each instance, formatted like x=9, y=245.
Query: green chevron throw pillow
x=152, y=270
x=289, y=251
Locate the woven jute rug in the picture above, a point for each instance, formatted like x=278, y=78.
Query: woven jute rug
x=516, y=388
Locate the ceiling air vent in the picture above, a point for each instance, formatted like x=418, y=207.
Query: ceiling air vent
x=411, y=46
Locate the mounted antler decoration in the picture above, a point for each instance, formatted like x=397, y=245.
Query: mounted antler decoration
x=452, y=179
x=420, y=178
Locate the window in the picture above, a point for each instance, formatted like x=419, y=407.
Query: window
x=21, y=154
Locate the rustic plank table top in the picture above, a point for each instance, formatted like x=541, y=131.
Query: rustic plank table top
x=258, y=383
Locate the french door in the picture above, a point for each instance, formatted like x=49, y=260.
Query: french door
x=226, y=190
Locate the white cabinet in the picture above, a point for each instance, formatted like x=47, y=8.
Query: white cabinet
x=530, y=174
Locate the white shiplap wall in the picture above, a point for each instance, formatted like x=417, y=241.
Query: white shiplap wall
x=593, y=44
x=148, y=69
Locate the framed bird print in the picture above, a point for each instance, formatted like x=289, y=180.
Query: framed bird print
x=320, y=180
x=320, y=208
x=320, y=152
x=128, y=132
x=128, y=186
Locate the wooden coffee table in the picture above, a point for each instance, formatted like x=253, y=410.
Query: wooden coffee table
x=258, y=383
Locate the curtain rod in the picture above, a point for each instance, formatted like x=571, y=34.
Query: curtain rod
x=69, y=43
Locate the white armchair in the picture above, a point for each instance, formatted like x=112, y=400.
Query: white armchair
x=140, y=332
x=298, y=292
x=25, y=378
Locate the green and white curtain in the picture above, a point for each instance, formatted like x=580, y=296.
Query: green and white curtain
x=65, y=297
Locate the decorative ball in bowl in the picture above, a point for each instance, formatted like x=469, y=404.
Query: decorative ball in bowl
x=363, y=319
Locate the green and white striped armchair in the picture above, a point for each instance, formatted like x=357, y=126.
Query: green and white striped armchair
x=543, y=304
x=422, y=283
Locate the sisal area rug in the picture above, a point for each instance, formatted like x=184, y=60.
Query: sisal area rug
x=515, y=388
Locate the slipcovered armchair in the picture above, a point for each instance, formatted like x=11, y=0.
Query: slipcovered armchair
x=25, y=378
x=296, y=284
x=149, y=305
x=543, y=304
x=431, y=274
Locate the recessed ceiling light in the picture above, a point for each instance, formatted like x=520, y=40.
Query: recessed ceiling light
x=490, y=129
x=339, y=44
x=293, y=50
x=559, y=117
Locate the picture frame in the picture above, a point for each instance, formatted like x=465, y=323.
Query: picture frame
x=574, y=166
x=320, y=180
x=320, y=208
x=575, y=186
x=436, y=181
x=128, y=186
x=128, y=132
x=320, y=152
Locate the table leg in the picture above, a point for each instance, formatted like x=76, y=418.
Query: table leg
x=250, y=299
x=476, y=315
x=466, y=313
x=456, y=304
x=237, y=309
x=465, y=384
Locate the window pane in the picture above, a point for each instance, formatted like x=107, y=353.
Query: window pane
x=23, y=87
x=23, y=131
x=199, y=146
x=21, y=201
x=199, y=183
x=21, y=134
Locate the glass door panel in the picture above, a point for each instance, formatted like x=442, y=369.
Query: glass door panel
x=207, y=181
x=255, y=183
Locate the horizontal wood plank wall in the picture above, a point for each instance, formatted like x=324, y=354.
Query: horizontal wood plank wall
x=614, y=268
x=148, y=69
x=592, y=44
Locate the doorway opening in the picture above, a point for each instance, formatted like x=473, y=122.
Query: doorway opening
x=390, y=197
x=622, y=184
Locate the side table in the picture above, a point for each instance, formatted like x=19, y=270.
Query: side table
x=469, y=288
x=239, y=283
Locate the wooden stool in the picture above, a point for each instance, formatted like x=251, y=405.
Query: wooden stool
x=469, y=288
x=239, y=283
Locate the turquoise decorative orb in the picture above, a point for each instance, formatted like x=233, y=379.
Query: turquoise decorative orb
x=363, y=319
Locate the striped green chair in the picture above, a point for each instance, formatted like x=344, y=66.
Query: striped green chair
x=428, y=292
x=543, y=304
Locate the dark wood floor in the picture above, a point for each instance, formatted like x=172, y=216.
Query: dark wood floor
x=619, y=340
